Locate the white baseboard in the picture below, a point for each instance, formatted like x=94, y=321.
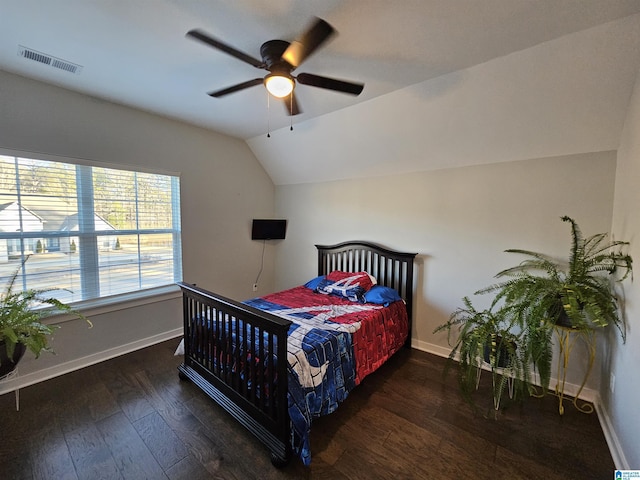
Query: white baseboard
x=22, y=381
x=617, y=453
x=430, y=348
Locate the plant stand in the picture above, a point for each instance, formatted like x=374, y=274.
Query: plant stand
x=498, y=371
x=567, y=338
x=9, y=376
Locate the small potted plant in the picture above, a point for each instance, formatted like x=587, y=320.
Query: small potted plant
x=577, y=293
x=485, y=339
x=21, y=322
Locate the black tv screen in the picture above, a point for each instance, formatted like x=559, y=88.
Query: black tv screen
x=264, y=229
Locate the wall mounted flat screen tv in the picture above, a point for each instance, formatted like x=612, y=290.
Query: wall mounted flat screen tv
x=263, y=229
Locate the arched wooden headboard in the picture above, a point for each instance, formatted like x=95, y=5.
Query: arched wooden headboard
x=390, y=267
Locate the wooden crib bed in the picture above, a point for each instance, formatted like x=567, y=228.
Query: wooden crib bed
x=232, y=349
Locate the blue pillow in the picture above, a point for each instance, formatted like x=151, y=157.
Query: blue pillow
x=313, y=283
x=381, y=295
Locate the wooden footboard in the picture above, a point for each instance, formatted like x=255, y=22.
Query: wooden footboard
x=238, y=356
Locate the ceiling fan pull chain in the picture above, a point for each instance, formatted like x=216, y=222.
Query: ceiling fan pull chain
x=268, y=116
x=291, y=110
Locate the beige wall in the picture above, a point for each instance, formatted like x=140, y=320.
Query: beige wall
x=459, y=221
x=222, y=188
x=622, y=360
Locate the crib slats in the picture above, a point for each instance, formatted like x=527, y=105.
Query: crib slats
x=270, y=376
x=229, y=345
x=389, y=270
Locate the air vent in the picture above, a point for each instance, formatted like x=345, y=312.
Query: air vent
x=50, y=60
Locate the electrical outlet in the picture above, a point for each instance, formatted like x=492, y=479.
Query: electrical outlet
x=612, y=383
x=255, y=287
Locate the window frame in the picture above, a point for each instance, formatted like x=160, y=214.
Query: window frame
x=106, y=303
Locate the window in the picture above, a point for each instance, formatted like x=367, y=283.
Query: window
x=90, y=231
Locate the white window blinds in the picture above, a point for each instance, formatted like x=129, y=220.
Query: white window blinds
x=88, y=232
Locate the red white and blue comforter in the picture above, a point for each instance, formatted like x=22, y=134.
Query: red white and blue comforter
x=333, y=344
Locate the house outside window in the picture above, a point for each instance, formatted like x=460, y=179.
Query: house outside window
x=87, y=231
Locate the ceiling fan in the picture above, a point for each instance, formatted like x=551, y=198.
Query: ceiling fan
x=280, y=59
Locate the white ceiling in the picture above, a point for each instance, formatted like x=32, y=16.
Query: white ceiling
x=447, y=82
x=135, y=52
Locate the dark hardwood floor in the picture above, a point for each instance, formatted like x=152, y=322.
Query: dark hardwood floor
x=132, y=418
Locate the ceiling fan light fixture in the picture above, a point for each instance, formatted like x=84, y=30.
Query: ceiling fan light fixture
x=280, y=58
x=279, y=85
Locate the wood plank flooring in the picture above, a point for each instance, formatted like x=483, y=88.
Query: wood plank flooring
x=132, y=418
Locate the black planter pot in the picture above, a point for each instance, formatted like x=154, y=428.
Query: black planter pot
x=558, y=314
x=503, y=355
x=8, y=365
x=563, y=320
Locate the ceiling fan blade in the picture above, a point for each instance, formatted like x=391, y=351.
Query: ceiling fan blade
x=318, y=33
x=330, y=83
x=235, y=88
x=209, y=40
x=291, y=104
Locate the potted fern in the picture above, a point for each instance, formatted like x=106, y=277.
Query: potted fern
x=21, y=322
x=577, y=293
x=485, y=339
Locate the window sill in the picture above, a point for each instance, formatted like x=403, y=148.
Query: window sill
x=99, y=306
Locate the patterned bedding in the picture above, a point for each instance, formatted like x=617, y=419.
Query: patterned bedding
x=333, y=344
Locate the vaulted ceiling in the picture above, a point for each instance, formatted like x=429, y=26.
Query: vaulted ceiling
x=447, y=82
